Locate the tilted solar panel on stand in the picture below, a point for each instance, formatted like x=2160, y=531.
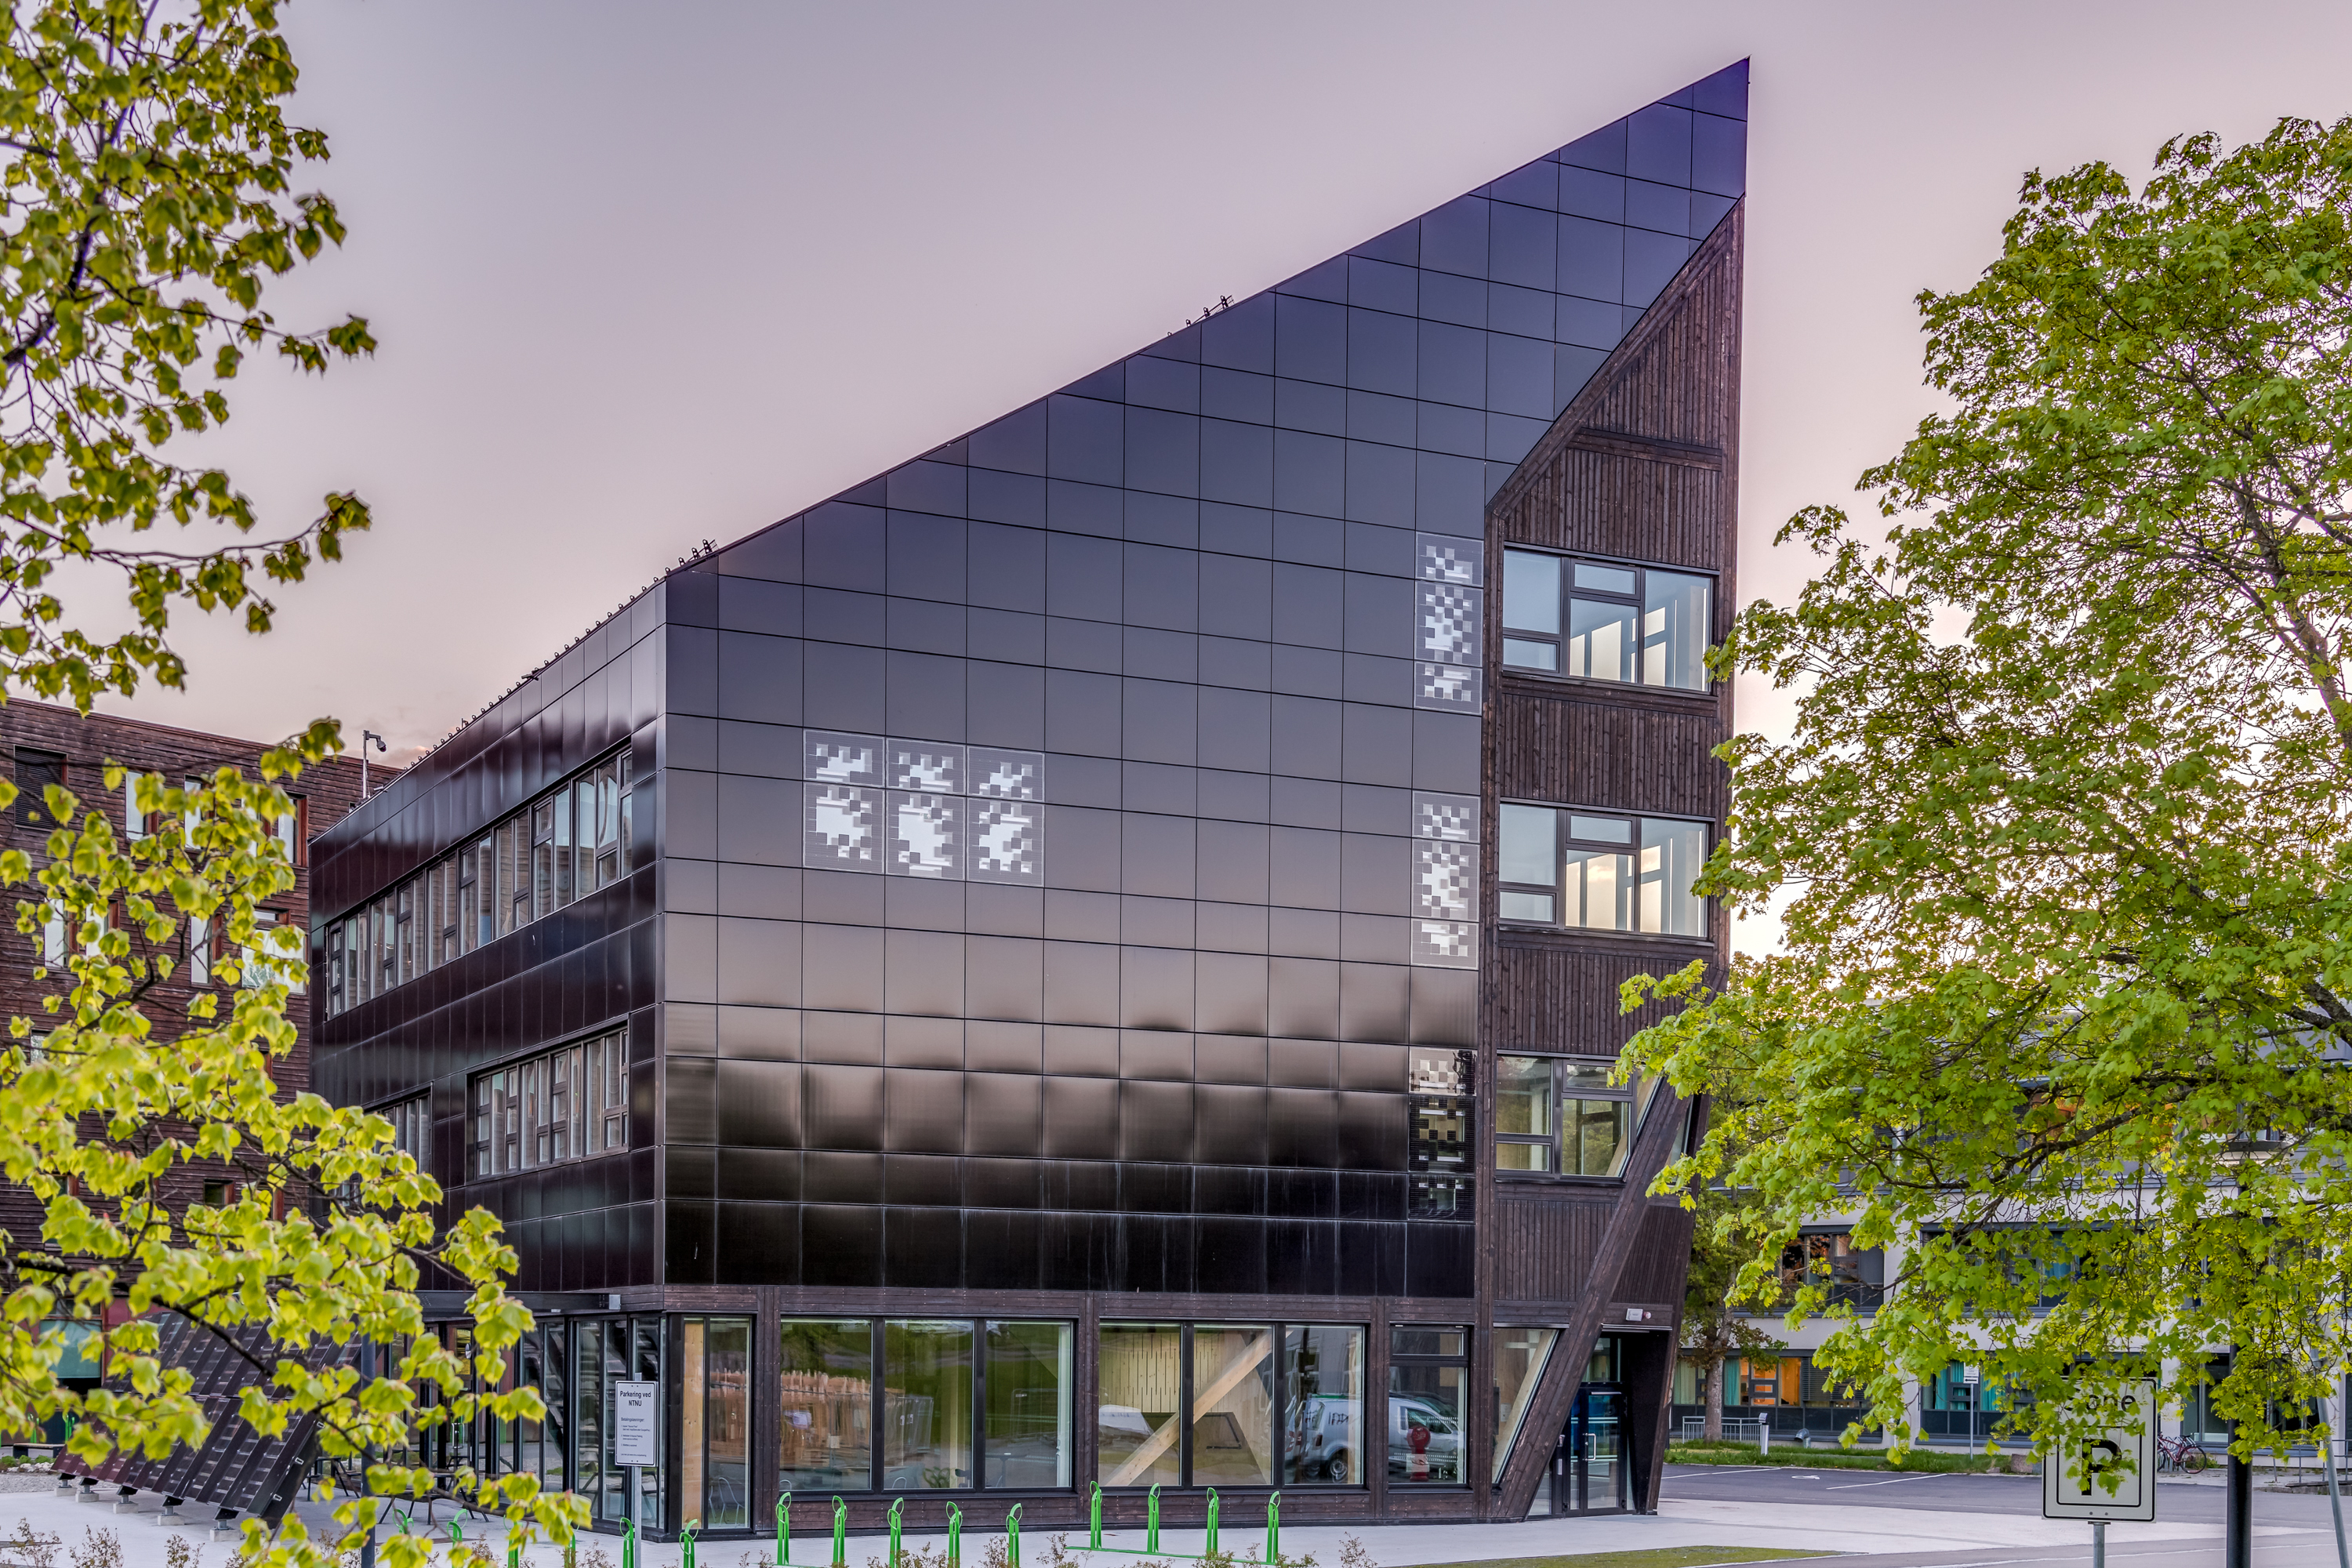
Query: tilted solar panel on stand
x=235, y=1469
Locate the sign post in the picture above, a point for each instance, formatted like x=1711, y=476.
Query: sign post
x=637, y=1434
x=2109, y=1474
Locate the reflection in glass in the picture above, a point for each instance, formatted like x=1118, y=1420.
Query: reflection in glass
x=552, y=1386
x=1028, y=1439
x=648, y=1342
x=1519, y=1357
x=1531, y=594
x=1525, y=1123
x=1323, y=1400
x=1232, y=1406
x=1672, y=853
x=1601, y=638
x=689, y=1431
x=1141, y=1377
x=727, y=1424
x=1604, y=579
x=828, y=1401
x=1530, y=840
x=1597, y=888
x=1425, y=1422
x=925, y=1405
x=1600, y=1137
x=1673, y=630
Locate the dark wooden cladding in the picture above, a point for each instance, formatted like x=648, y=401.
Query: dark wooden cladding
x=1579, y=749
x=1551, y=996
x=1613, y=504
x=1660, y=1257
x=1643, y=465
x=1544, y=1244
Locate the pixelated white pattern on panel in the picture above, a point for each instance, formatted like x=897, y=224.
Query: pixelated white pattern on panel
x=926, y=836
x=832, y=758
x=1007, y=775
x=1446, y=559
x=1448, y=816
x=1445, y=879
x=1448, y=630
x=1448, y=686
x=840, y=828
x=1446, y=944
x=927, y=765
x=1007, y=845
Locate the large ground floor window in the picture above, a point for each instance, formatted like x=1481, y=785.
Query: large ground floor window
x=1231, y=1405
x=924, y=1403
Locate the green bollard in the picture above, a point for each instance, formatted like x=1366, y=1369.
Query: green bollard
x=1209, y=1547
x=514, y=1549
x=628, y=1543
x=1094, y=1520
x=784, y=1530
x=686, y=1543
x=955, y=1536
x=1273, y=1529
x=1012, y=1537
x=457, y=1539
x=895, y=1504
x=840, y=1534
x=1152, y=1521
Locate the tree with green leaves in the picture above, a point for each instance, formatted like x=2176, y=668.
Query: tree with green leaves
x=1719, y=1324
x=2063, y=1004
x=149, y=202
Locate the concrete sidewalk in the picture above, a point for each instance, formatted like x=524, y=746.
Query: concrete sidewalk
x=1736, y=1527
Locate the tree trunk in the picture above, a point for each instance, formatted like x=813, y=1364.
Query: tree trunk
x=1714, y=1398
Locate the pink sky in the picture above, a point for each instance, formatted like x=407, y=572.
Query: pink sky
x=645, y=276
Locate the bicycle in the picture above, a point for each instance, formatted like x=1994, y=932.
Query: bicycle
x=2180, y=1456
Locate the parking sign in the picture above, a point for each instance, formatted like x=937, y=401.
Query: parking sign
x=2107, y=1474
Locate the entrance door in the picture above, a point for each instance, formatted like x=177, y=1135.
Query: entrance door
x=1588, y=1472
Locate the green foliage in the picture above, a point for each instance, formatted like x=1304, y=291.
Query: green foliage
x=145, y=203
x=2065, y=998
x=324, y=1237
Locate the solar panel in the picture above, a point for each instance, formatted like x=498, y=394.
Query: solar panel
x=235, y=1469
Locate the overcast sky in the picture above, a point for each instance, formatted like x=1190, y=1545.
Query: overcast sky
x=647, y=275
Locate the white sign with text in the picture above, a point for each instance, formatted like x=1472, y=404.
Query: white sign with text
x=2107, y=1474
x=637, y=1423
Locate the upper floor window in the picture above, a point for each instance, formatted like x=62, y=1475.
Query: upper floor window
x=35, y=771
x=569, y=1103
x=564, y=845
x=1599, y=871
x=1560, y=1117
x=1604, y=621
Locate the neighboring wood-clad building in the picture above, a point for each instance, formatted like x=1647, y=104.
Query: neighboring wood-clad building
x=1093, y=957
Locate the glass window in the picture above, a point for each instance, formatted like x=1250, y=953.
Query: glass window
x=1631, y=624
x=1594, y=872
x=1519, y=1357
x=36, y=771
x=1323, y=1403
x=1232, y=1406
x=564, y=1104
x=828, y=1399
x=1026, y=1438
x=1559, y=1116
x=1140, y=1377
x=927, y=1416
x=1428, y=1370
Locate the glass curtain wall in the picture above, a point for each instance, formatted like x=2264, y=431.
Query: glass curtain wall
x=957, y=1403
x=1260, y=1404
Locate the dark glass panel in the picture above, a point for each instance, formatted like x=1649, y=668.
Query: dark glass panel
x=841, y=1245
x=923, y=1249
x=759, y=1244
x=826, y=1371
x=758, y=1104
x=843, y=1107
x=1002, y=1113
x=1081, y=1117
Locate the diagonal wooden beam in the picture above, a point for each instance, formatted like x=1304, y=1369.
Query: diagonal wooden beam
x=1242, y=1363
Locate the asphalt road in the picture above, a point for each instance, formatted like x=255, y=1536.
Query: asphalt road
x=2314, y=1545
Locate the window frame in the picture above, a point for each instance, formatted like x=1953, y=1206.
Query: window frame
x=1564, y=839
x=1557, y=639
x=1560, y=1097
x=514, y=1123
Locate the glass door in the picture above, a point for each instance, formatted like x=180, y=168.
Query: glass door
x=1590, y=1473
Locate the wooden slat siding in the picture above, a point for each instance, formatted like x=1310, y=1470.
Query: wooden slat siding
x=1643, y=464
x=1570, y=747
x=1545, y=1245
x=1551, y=996
x=1660, y=1257
x=1611, y=503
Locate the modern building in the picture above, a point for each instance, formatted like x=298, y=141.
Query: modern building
x=1093, y=957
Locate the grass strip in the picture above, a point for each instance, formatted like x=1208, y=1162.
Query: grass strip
x=1649, y=1557
x=1918, y=1461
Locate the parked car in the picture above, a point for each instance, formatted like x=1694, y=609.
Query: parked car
x=1323, y=1439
